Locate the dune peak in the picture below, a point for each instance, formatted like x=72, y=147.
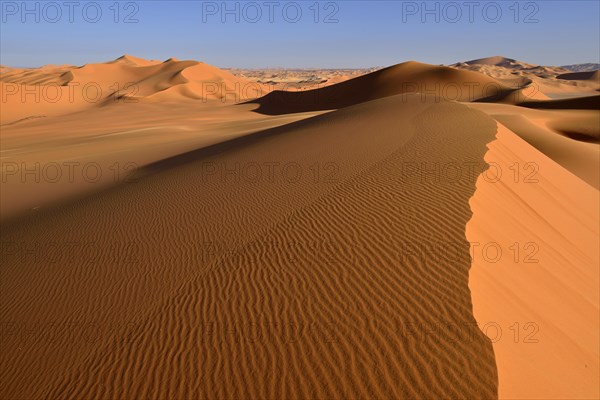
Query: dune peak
x=127, y=59
x=501, y=61
x=494, y=60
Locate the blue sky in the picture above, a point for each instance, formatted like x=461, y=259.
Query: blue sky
x=325, y=34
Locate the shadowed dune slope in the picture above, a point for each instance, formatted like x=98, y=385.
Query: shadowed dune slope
x=129, y=136
x=409, y=77
x=583, y=76
x=319, y=282
x=578, y=103
x=525, y=92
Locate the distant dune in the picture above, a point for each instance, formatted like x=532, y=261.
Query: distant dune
x=133, y=61
x=408, y=77
x=63, y=90
x=499, y=61
x=541, y=82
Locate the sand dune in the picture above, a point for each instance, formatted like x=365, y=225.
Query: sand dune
x=499, y=61
x=262, y=314
x=151, y=78
x=135, y=61
x=409, y=77
x=541, y=80
x=48, y=92
x=48, y=74
x=57, y=90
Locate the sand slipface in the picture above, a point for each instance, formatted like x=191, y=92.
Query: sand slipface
x=539, y=283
